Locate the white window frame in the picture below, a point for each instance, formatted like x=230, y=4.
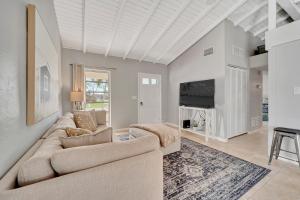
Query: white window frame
x=109, y=87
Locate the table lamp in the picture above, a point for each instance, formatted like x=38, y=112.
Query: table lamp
x=77, y=98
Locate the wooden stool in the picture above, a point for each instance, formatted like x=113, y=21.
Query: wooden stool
x=279, y=134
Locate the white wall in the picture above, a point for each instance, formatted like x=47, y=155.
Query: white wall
x=193, y=66
x=265, y=84
x=284, y=71
x=255, y=99
x=15, y=136
x=236, y=37
x=124, y=83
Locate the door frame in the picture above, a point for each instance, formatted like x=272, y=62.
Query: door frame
x=109, y=85
x=229, y=133
x=140, y=74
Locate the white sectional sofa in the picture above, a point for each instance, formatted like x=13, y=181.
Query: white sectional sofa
x=114, y=170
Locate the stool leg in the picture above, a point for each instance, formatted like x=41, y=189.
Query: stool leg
x=274, y=141
x=297, y=143
x=278, y=146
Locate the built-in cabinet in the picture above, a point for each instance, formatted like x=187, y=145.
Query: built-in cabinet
x=259, y=61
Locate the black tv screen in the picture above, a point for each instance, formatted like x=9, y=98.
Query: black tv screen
x=198, y=94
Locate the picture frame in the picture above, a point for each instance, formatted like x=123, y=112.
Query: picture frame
x=42, y=70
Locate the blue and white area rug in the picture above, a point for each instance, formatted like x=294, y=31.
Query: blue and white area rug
x=200, y=172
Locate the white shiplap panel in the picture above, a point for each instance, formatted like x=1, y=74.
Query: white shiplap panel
x=254, y=17
x=247, y=7
x=178, y=25
x=226, y=8
x=156, y=25
x=140, y=31
x=69, y=17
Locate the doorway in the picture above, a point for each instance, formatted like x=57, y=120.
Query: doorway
x=98, y=91
x=237, y=88
x=149, y=98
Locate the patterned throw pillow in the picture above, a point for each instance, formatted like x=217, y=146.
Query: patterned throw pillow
x=84, y=120
x=77, y=132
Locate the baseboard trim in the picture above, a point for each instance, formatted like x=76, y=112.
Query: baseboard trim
x=199, y=134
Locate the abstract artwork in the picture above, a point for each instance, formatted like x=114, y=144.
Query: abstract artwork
x=42, y=70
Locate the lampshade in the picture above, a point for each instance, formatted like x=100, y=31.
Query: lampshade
x=76, y=96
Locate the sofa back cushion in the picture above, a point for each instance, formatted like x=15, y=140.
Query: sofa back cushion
x=9, y=180
x=38, y=167
x=69, y=115
x=79, y=158
x=84, y=120
x=99, y=137
x=65, y=122
x=100, y=117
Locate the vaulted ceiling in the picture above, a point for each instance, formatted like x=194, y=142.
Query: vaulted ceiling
x=157, y=31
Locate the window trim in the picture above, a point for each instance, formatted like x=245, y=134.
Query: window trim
x=86, y=69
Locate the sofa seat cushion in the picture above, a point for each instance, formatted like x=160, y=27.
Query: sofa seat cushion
x=38, y=167
x=98, y=137
x=100, y=128
x=79, y=158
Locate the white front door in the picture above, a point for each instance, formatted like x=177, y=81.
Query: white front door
x=149, y=98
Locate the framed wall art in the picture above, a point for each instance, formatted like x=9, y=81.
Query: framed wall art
x=42, y=70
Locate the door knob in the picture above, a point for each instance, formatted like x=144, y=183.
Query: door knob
x=141, y=103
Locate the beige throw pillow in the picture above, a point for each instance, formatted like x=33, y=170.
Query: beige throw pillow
x=99, y=137
x=77, y=132
x=85, y=120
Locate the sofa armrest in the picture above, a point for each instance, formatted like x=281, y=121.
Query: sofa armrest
x=79, y=158
x=137, y=177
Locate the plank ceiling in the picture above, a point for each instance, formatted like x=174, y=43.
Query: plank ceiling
x=157, y=31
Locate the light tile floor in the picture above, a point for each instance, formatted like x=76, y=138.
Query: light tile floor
x=282, y=183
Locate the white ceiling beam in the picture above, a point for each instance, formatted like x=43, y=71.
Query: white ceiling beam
x=291, y=8
x=250, y=13
x=272, y=14
x=188, y=28
x=260, y=20
x=166, y=28
x=213, y=25
x=84, y=26
x=266, y=28
x=142, y=28
x=115, y=26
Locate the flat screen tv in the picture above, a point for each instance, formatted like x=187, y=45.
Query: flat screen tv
x=199, y=94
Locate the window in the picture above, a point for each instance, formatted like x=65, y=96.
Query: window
x=97, y=91
x=153, y=81
x=145, y=81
